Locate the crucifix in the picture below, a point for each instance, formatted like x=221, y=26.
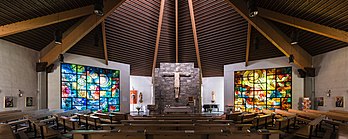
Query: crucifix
x=176, y=76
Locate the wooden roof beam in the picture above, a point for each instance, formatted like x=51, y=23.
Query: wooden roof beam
x=77, y=32
x=274, y=35
x=42, y=21
x=248, y=45
x=104, y=43
x=176, y=33
x=194, y=31
x=305, y=25
x=159, y=27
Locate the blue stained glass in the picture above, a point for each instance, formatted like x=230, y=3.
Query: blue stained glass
x=81, y=69
x=66, y=103
x=104, y=104
x=68, y=68
x=81, y=82
x=93, y=95
x=93, y=108
x=79, y=107
x=105, y=93
x=93, y=102
x=105, y=83
x=79, y=101
x=69, y=77
x=113, y=101
x=93, y=88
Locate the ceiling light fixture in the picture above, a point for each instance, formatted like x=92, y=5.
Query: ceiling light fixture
x=252, y=7
x=58, y=35
x=98, y=7
x=294, y=37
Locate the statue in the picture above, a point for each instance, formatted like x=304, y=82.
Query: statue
x=212, y=97
x=141, y=97
x=176, y=76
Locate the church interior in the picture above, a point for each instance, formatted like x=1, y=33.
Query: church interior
x=168, y=69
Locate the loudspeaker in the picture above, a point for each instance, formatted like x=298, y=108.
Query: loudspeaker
x=310, y=72
x=41, y=66
x=49, y=69
x=302, y=73
x=61, y=58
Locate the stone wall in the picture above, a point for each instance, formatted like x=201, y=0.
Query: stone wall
x=190, y=86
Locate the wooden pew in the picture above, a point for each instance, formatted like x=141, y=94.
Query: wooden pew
x=109, y=118
x=176, y=121
x=6, y=132
x=334, y=119
x=332, y=114
x=155, y=126
x=39, y=120
x=170, y=134
x=176, y=118
x=337, y=117
x=313, y=126
x=233, y=116
x=284, y=120
x=262, y=120
x=157, y=121
x=245, y=118
x=67, y=119
x=9, y=112
x=343, y=132
x=339, y=111
x=304, y=116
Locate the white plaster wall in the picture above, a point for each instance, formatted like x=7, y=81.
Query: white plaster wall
x=332, y=72
x=215, y=84
x=142, y=84
x=297, y=83
x=18, y=72
x=54, y=79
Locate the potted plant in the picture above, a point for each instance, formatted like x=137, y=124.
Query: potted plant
x=138, y=109
x=210, y=110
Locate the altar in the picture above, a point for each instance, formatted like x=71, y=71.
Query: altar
x=210, y=106
x=177, y=109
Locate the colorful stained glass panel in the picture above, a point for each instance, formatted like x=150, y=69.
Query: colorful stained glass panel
x=85, y=87
x=255, y=90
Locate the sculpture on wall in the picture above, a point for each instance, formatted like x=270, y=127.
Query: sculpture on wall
x=176, y=76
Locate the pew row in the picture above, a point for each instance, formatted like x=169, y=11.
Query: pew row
x=170, y=134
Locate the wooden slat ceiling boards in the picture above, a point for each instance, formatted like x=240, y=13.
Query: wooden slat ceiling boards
x=222, y=33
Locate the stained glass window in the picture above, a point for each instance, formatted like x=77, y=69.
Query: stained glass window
x=255, y=90
x=85, y=87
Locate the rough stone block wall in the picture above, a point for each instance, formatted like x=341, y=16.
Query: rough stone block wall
x=190, y=86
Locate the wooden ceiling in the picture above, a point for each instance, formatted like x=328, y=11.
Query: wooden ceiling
x=222, y=32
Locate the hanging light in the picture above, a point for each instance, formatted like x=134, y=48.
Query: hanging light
x=294, y=37
x=58, y=35
x=98, y=7
x=291, y=59
x=252, y=8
